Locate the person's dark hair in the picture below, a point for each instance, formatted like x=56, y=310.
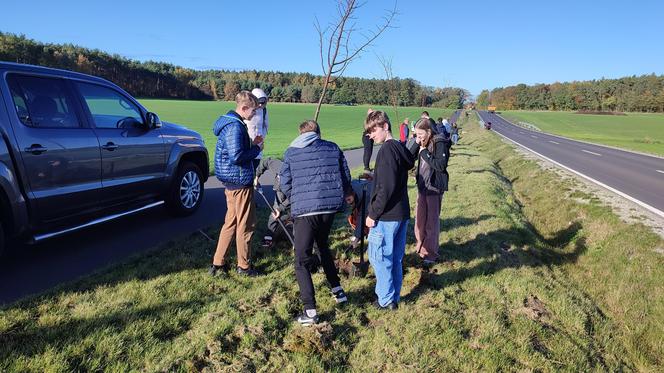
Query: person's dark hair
x=440, y=119
x=425, y=113
x=375, y=119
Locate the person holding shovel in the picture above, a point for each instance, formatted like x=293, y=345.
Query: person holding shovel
x=316, y=179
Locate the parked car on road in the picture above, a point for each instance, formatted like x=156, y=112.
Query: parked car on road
x=77, y=150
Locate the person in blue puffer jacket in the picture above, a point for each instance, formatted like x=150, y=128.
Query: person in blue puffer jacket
x=315, y=178
x=233, y=165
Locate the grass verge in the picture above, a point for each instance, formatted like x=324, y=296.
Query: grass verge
x=341, y=124
x=531, y=280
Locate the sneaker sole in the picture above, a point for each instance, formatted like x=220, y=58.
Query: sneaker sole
x=341, y=300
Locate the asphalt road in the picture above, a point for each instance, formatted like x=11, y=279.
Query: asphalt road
x=34, y=268
x=637, y=177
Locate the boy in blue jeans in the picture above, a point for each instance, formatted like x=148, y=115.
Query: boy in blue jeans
x=389, y=210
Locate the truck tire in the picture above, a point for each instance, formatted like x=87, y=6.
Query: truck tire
x=186, y=193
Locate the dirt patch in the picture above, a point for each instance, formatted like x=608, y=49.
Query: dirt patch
x=534, y=309
x=310, y=339
x=628, y=211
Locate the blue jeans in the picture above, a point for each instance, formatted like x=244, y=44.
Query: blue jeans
x=387, y=245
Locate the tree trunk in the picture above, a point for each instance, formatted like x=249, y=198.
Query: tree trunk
x=322, y=96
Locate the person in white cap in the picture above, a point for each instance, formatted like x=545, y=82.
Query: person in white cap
x=258, y=124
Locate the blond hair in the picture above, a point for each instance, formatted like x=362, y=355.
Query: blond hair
x=246, y=98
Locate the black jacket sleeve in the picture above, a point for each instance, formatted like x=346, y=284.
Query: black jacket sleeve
x=438, y=159
x=385, y=181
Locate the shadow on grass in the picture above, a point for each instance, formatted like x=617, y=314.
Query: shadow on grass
x=501, y=249
x=28, y=338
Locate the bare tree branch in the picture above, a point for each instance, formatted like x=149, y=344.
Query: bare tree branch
x=339, y=36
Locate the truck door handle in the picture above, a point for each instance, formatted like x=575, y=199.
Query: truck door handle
x=36, y=149
x=109, y=146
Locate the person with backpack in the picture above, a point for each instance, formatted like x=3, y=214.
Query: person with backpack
x=258, y=125
x=315, y=177
x=432, y=153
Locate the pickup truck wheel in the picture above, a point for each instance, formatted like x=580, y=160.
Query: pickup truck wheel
x=186, y=192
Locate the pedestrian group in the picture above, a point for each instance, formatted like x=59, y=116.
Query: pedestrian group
x=309, y=194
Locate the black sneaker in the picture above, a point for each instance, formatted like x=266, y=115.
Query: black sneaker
x=340, y=296
x=304, y=320
x=215, y=270
x=249, y=272
x=389, y=307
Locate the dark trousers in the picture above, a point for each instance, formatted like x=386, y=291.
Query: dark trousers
x=368, y=149
x=309, y=230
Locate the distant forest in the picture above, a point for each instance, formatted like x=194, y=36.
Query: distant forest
x=635, y=94
x=163, y=80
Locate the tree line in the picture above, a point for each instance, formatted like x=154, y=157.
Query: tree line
x=633, y=94
x=163, y=80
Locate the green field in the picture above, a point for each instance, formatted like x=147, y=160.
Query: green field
x=536, y=276
x=643, y=132
x=341, y=124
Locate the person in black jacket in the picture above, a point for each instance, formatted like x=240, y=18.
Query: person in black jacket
x=389, y=210
x=316, y=179
x=368, y=145
x=432, y=178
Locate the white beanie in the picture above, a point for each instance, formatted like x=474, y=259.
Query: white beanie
x=259, y=93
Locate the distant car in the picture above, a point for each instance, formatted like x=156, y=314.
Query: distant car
x=487, y=125
x=77, y=150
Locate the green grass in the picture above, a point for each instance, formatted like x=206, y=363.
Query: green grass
x=531, y=281
x=341, y=124
x=642, y=132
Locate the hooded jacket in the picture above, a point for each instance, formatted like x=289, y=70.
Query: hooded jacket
x=314, y=176
x=234, y=152
x=258, y=125
x=432, y=176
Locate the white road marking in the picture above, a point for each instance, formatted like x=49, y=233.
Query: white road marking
x=660, y=171
x=533, y=136
x=521, y=132
x=553, y=142
x=589, y=152
x=614, y=190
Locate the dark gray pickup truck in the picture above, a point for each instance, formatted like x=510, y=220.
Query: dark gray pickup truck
x=77, y=150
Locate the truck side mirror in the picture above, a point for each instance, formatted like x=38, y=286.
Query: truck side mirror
x=153, y=120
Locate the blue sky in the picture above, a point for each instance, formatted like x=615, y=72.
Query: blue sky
x=474, y=45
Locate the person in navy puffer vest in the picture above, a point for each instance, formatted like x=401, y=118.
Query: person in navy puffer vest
x=233, y=166
x=316, y=179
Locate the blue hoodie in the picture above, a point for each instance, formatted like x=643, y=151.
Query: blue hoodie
x=234, y=152
x=314, y=176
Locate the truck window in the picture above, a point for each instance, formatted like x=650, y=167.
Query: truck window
x=109, y=109
x=42, y=102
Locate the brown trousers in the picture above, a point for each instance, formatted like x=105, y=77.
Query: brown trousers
x=427, y=224
x=240, y=223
